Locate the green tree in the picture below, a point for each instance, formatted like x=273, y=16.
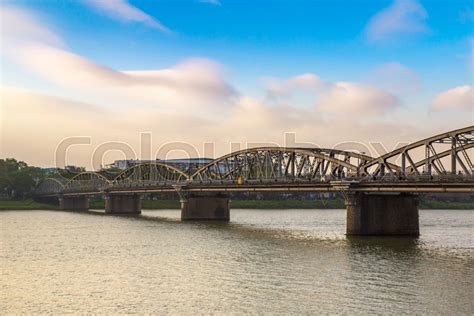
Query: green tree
x=17, y=179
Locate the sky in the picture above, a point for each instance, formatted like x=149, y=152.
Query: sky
x=94, y=80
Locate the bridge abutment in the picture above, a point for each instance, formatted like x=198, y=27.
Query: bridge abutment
x=123, y=204
x=73, y=203
x=382, y=214
x=205, y=207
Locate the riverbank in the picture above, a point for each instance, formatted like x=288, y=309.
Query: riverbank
x=244, y=204
x=15, y=205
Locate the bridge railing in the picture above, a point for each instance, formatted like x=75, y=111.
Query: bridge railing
x=288, y=179
x=144, y=183
x=420, y=178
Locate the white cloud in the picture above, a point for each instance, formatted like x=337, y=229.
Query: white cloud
x=195, y=85
x=201, y=76
x=181, y=102
x=124, y=11
x=350, y=98
x=459, y=98
x=402, y=17
x=395, y=78
x=193, y=82
x=251, y=113
x=196, y=77
x=283, y=88
x=249, y=121
x=19, y=26
x=340, y=97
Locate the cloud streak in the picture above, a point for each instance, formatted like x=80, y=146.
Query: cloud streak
x=195, y=77
x=20, y=27
x=124, y=11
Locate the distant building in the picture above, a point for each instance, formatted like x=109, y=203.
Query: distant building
x=187, y=165
x=125, y=164
x=50, y=171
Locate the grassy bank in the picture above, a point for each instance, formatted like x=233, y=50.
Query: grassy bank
x=446, y=205
x=245, y=204
x=25, y=205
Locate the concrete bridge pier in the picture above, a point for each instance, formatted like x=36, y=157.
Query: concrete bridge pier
x=382, y=214
x=205, y=207
x=74, y=203
x=123, y=204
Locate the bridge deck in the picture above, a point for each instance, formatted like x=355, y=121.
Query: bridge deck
x=334, y=186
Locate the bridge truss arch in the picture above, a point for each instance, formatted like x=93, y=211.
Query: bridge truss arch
x=445, y=154
x=277, y=164
x=87, y=182
x=51, y=186
x=150, y=174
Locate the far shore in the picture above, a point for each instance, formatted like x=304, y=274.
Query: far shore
x=242, y=204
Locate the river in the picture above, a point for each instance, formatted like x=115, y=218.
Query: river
x=264, y=261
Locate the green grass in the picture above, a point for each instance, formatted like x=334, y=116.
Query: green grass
x=288, y=204
x=25, y=205
x=446, y=205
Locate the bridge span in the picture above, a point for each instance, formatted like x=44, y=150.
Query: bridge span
x=381, y=193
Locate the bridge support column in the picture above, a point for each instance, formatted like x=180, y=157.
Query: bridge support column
x=382, y=214
x=205, y=207
x=73, y=203
x=123, y=204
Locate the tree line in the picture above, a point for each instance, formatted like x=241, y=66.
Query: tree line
x=17, y=179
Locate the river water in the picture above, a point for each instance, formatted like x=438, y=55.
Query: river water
x=264, y=261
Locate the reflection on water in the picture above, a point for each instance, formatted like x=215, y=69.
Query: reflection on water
x=262, y=261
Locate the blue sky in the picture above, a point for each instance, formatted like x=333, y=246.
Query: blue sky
x=398, y=60
x=276, y=38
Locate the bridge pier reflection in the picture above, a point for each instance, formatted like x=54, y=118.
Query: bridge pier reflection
x=382, y=214
x=74, y=203
x=205, y=207
x=123, y=204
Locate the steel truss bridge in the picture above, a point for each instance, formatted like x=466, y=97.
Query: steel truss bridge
x=446, y=165
x=380, y=193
